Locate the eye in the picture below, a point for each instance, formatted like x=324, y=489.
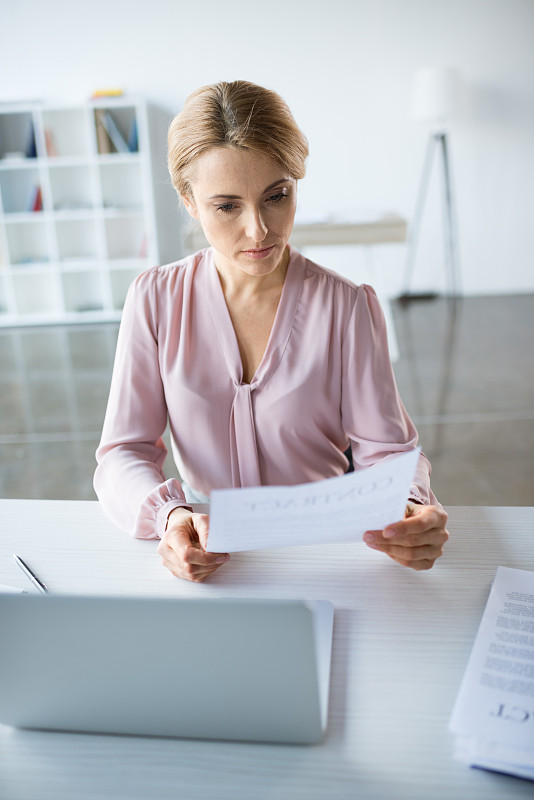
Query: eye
x=226, y=208
x=278, y=197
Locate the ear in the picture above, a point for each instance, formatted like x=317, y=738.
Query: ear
x=190, y=205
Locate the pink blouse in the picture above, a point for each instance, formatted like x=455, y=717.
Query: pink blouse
x=325, y=381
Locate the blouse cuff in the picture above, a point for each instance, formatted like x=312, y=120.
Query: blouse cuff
x=415, y=496
x=152, y=516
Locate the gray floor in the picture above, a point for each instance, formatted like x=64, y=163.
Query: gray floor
x=465, y=374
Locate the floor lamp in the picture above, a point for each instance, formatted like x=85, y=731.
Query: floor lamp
x=435, y=100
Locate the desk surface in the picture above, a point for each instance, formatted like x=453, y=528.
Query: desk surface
x=401, y=644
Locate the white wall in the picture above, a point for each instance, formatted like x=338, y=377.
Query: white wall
x=345, y=68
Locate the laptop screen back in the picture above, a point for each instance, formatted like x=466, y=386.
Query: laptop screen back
x=254, y=670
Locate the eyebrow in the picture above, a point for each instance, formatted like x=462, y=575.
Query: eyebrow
x=238, y=197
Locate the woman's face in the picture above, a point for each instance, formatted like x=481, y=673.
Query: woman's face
x=246, y=205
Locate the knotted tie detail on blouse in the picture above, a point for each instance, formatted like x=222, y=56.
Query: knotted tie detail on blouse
x=242, y=434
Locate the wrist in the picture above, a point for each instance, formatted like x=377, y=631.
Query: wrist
x=177, y=515
x=163, y=512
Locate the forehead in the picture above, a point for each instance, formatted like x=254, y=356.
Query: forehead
x=235, y=171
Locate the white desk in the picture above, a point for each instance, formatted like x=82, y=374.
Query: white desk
x=401, y=644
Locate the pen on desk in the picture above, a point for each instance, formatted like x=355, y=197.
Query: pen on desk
x=34, y=579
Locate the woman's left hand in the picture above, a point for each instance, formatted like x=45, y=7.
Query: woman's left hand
x=416, y=541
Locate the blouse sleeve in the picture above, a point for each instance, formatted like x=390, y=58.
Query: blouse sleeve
x=373, y=414
x=129, y=480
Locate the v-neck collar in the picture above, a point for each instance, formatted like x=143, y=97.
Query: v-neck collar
x=282, y=325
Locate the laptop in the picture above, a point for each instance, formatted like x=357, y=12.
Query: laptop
x=211, y=668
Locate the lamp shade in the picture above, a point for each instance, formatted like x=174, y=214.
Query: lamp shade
x=435, y=95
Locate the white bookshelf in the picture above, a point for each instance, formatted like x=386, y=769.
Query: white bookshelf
x=105, y=214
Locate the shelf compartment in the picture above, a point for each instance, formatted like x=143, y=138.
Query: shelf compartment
x=77, y=240
x=66, y=132
x=27, y=242
x=126, y=237
x=72, y=188
x=83, y=291
x=17, y=135
x=122, y=186
x=36, y=294
x=20, y=190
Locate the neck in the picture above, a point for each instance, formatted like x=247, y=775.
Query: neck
x=237, y=283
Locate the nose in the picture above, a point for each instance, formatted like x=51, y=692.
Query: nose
x=256, y=229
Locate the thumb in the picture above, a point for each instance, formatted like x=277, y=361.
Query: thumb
x=201, y=524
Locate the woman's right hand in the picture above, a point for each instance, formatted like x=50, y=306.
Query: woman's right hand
x=183, y=546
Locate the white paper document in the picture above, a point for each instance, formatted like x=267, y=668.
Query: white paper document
x=334, y=510
x=494, y=711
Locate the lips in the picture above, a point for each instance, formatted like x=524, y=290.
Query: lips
x=262, y=252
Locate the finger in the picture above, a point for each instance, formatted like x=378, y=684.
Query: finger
x=412, y=554
x=429, y=518
x=193, y=572
x=190, y=572
x=201, y=526
x=183, y=569
x=435, y=538
x=195, y=556
x=189, y=550
x=417, y=558
x=418, y=566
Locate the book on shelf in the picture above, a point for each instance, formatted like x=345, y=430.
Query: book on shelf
x=114, y=133
x=30, y=151
x=105, y=145
x=36, y=199
x=51, y=149
x=98, y=93
x=133, y=137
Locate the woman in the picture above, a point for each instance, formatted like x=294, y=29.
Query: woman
x=266, y=365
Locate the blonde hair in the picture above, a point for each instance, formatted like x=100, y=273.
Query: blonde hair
x=237, y=114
